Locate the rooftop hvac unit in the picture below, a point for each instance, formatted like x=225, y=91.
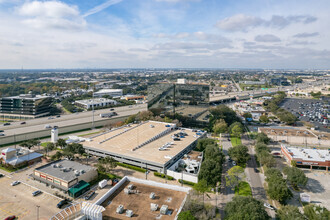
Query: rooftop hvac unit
x=130, y=187
x=164, y=209
x=152, y=196
x=120, y=209
x=82, y=171
x=129, y=213
x=76, y=172
x=153, y=207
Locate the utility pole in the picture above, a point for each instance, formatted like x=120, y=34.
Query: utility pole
x=38, y=212
x=93, y=110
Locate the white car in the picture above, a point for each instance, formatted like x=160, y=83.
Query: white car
x=269, y=206
x=15, y=183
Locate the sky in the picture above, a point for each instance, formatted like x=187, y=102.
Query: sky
x=269, y=34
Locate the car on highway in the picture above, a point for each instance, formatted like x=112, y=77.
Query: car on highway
x=2, y=175
x=269, y=206
x=111, y=109
x=5, y=124
x=23, y=123
x=58, y=116
x=48, y=126
x=35, y=193
x=50, y=118
x=15, y=183
x=2, y=131
x=2, y=134
x=62, y=203
x=12, y=217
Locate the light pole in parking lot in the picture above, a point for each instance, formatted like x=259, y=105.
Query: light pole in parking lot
x=38, y=212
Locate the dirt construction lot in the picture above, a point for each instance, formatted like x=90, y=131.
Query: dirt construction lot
x=18, y=200
x=139, y=203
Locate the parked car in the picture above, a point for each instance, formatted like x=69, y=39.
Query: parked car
x=234, y=163
x=15, y=183
x=62, y=203
x=269, y=206
x=35, y=193
x=12, y=217
x=5, y=124
x=256, y=170
x=89, y=195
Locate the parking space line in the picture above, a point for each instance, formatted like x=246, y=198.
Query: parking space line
x=41, y=190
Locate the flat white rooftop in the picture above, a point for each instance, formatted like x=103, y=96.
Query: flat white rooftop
x=308, y=154
x=125, y=141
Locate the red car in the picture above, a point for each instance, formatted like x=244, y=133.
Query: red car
x=11, y=217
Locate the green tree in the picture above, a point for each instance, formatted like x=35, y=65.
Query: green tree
x=50, y=147
x=315, y=212
x=202, y=143
x=236, y=131
x=295, y=176
x=210, y=171
x=247, y=115
x=186, y=215
x=61, y=143
x=230, y=128
x=245, y=207
x=220, y=127
x=239, y=154
x=278, y=190
x=266, y=159
x=234, y=176
x=289, y=212
x=201, y=187
x=107, y=163
x=262, y=138
x=273, y=173
x=260, y=147
x=264, y=119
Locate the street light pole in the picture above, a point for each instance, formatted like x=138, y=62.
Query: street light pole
x=93, y=110
x=38, y=212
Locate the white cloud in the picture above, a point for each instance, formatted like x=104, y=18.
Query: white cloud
x=242, y=22
x=238, y=22
x=267, y=38
x=51, y=14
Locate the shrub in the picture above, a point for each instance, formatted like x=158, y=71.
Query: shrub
x=163, y=176
x=139, y=169
x=186, y=182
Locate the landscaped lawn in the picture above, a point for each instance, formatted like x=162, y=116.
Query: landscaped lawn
x=235, y=141
x=244, y=189
x=44, y=144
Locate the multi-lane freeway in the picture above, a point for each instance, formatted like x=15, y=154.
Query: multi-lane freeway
x=66, y=123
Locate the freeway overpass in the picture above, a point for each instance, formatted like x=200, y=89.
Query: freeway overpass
x=35, y=128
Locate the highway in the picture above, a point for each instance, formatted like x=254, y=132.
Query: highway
x=35, y=125
x=242, y=94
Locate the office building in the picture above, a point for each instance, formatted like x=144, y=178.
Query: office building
x=97, y=102
x=109, y=92
x=25, y=106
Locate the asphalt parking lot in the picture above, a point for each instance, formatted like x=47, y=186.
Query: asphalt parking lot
x=18, y=200
x=309, y=110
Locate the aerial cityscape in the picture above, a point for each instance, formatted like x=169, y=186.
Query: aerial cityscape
x=164, y=109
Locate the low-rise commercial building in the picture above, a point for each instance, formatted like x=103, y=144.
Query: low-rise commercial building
x=96, y=102
x=25, y=106
x=307, y=157
x=66, y=174
x=18, y=157
x=109, y=92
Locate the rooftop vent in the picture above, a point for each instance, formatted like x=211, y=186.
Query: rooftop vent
x=120, y=209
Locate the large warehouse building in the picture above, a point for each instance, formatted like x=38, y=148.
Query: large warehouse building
x=152, y=145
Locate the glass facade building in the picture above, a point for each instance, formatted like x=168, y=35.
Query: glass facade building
x=25, y=106
x=190, y=100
